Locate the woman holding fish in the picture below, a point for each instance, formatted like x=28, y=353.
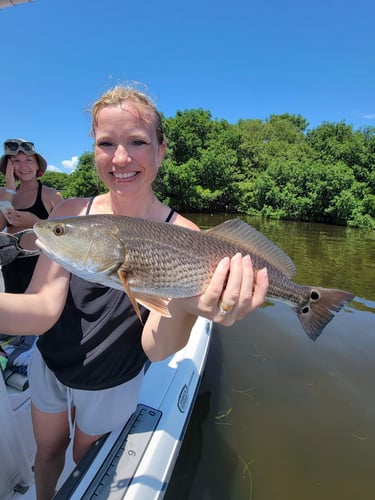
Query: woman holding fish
x=92, y=345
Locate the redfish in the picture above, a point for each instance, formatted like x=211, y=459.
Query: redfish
x=155, y=261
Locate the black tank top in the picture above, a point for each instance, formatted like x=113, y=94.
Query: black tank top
x=96, y=343
x=38, y=208
x=17, y=274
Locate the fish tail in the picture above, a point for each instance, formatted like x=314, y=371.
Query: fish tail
x=320, y=308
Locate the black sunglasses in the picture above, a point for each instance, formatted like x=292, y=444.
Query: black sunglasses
x=13, y=146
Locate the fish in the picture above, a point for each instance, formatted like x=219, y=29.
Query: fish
x=154, y=262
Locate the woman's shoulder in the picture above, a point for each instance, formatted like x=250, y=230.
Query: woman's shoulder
x=51, y=193
x=180, y=220
x=71, y=207
x=164, y=212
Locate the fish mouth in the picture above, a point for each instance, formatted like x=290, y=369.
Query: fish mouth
x=47, y=251
x=44, y=249
x=40, y=245
x=53, y=255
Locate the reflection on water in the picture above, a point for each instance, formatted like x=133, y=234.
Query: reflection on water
x=330, y=256
x=279, y=416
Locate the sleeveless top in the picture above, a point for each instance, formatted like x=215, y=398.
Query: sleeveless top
x=96, y=343
x=18, y=273
x=38, y=208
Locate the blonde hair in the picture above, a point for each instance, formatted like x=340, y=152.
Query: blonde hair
x=120, y=94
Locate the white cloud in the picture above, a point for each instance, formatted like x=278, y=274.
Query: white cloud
x=369, y=116
x=52, y=168
x=70, y=164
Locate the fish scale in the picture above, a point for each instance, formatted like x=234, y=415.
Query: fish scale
x=194, y=256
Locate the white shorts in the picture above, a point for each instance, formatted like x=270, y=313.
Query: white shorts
x=96, y=412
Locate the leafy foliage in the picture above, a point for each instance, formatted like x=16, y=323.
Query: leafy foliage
x=274, y=168
x=56, y=180
x=84, y=181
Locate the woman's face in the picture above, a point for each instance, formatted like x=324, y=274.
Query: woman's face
x=25, y=166
x=127, y=152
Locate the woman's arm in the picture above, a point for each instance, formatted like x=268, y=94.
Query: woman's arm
x=21, y=219
x=8, y=191
x=51, y=198
x=38, y=309
x=3, y=221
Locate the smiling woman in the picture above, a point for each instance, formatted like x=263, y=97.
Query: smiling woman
x=92, y=349
x=27, y=201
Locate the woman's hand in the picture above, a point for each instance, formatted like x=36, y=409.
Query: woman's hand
x=9, y=176
x=18, y=218
x=234, y=291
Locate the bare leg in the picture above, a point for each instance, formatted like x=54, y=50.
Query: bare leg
x=82, y=442
x=51, y=431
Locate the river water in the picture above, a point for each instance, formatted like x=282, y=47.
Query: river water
x=279, y=416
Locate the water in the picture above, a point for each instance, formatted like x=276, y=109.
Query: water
x=279, y=416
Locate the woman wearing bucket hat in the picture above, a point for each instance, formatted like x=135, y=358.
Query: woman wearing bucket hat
x=26, y=200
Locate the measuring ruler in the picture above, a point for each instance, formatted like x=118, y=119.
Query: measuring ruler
x=117, y=470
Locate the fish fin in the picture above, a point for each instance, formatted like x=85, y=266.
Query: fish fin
x=153, y=303
x=238, y=231
x=150, y=302
x=129, y=293
x=321, y=308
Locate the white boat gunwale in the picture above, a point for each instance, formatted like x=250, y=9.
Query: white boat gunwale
x=137, y=460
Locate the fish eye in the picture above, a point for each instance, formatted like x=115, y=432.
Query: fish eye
x=58, y=230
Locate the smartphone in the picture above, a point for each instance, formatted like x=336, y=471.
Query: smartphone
x=4, y=204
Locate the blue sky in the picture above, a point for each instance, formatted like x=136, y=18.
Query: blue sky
x=237, y=59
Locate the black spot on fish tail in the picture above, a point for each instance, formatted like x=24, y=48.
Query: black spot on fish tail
x=320, y=308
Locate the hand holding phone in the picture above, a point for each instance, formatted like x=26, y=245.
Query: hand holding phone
x=4, y=205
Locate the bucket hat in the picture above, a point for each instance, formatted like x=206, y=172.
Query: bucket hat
x=14, y=146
